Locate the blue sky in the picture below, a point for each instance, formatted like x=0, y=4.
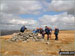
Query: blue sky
x=36, y=17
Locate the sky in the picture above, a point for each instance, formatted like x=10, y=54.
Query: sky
x=37, y=13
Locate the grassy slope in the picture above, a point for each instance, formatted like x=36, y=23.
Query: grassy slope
x=65, y=42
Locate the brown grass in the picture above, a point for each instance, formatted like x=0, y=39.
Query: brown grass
x=65, y=43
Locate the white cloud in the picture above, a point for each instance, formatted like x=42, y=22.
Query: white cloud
x=60, y=5
x=15, y=22
x=9, y=10
x=63, y=21
x=63, y=5
x=48, y=19
x=21, y=7
x=36, y=6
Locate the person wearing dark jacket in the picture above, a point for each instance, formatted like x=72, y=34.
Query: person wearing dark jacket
x=56, y=33
x=37, y=30
x=47, y=31
x=23, y=28
x=42, y=32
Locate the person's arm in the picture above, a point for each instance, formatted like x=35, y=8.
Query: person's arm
x=25, y=28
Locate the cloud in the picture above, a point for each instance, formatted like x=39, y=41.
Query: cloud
x=10, y=21
x=60, y=5
x=21, y=7
x=10, y=9
x=63, y=21
x=37, y=6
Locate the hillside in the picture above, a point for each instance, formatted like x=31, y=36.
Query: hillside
x=32, y=48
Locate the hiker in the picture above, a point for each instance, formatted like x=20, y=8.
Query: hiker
x=37, y=30
x=34, y=31
x=47, y=31
x=56, y=33
x=50, y=29
x=23, y=28
x=42, y=32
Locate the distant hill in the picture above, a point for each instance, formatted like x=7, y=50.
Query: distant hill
x=7, y=32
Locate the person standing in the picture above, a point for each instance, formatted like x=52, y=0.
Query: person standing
x=56, y=33
x=42, y=32
x=47, y=31
x=50, y=29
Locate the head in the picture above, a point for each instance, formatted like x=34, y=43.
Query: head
x=37, y=28
x=41, y=28
x=55, y=27
x=49, y=27
x=46, y=27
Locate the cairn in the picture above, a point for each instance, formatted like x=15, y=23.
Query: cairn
x=25, y=36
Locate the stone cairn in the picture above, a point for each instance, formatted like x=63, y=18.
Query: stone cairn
x=25, y=36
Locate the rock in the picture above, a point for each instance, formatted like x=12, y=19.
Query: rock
x=26, y=36
x=47, y=43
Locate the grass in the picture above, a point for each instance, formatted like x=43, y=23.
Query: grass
x=65, y=43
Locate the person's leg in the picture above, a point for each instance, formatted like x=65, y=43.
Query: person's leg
x=56, y=35
x=50, y=36
x=43, y=36
x=47, y=36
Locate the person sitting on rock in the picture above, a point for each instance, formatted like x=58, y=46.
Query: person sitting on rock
x=23, y=28
x=37, y=30
x=34, y=31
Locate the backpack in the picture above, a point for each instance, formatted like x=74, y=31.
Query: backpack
x=22, y=29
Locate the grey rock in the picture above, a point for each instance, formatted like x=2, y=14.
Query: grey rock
x=26, y=36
